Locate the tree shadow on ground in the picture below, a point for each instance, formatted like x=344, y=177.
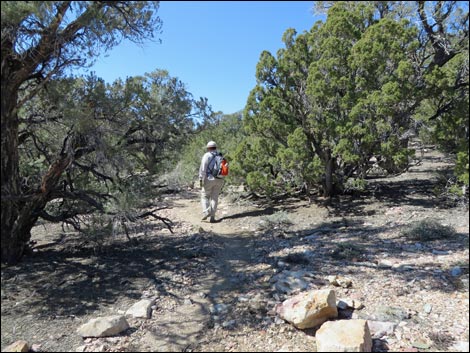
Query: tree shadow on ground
x=257, y=213
x=79, y=281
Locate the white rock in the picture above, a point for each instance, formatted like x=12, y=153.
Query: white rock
x=104, y=326
x=381, y=328
x=290, y=281
x=339, y=281
x=228, y=324
x=141, y=309
x=18, y=346
x=219, y=309
x=461, y=346
x=385, y=263
x=309, y=309
x=344, y=336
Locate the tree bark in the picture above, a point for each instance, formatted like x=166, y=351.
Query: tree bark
x=329, y=170
x=12, y=246
x=18, y=212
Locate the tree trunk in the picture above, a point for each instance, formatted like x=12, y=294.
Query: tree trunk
x=12, y=244
x=329, y=170
x=19, y=213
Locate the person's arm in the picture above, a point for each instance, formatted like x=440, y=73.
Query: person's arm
x=203, y=168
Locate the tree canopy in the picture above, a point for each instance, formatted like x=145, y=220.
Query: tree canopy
x=354, y=89
x=40, y=41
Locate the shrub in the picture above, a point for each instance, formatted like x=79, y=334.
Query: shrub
x=276, y=219
x=427, y=230
x=347, y=251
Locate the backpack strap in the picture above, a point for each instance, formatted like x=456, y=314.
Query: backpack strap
x=209, y=169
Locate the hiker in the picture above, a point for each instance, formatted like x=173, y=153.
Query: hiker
x=210, y=184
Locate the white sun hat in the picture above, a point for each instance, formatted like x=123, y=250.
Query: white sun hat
x=211, y=144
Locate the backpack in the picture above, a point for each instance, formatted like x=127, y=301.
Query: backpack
x=218, y=165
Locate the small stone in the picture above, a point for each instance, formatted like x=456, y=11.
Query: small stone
x=427, y=308
x=141, y=309
x=331, y=280
x=36, y=347
x=228, y=324
x=461, y=346
x=420, y=345
x=344, y=336
x=440, y=252
x=358, y=305
x=219, y=309
x=339, y=281
x=104, y=326
x=344, y=282
x=456, y=271
x=378, y=329
x=18, y=346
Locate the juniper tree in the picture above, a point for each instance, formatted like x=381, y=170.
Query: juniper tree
x=40, y=40
x=327, y=103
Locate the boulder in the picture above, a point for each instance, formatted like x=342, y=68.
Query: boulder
x=18, y=346
x=309, y=309
x=104, y=326
x=141, y=309
x=344, y=336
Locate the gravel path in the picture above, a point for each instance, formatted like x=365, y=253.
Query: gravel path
x=215, y=285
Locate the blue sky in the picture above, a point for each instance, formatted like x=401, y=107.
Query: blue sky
x=211, y=46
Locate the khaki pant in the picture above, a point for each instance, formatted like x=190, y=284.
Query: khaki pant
x=210, y=196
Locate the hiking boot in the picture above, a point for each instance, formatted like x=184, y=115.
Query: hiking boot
x=206, y=215
x=212, y=220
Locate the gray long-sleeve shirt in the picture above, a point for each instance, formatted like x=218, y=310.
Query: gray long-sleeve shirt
x=205, y=164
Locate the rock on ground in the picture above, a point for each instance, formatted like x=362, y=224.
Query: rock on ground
x=141, y=309
x=104, y=326
x=18, y=346
x=309, y=309
x=344, y=336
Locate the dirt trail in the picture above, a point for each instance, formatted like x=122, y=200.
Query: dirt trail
x=214, y=283
x=176, y=331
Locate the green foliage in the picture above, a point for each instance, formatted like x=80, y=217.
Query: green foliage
x=347, y=251
x=127, y=131
x=40, y=42
x=227, y=132
x=428, y=230
x=446, y=95
x=353, y=184
x=276, y=219
x=357, y=86
x=158, y=122
x=461, y=168
x=332, y=99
